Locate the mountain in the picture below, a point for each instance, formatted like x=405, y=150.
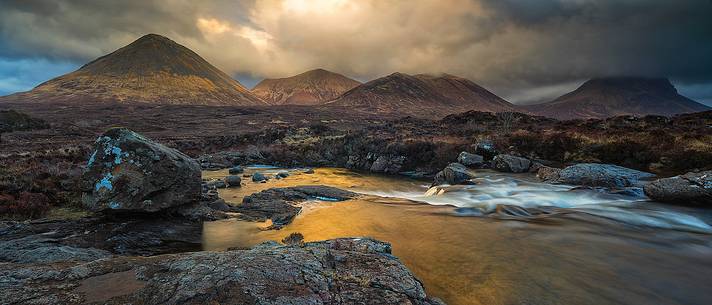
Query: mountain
x=152, y=69
x=613, y=96
x=421, y=95
x=309, y=88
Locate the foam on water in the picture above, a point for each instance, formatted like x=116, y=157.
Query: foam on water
x=493, y=189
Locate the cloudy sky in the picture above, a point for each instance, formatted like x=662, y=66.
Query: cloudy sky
x=525, y=51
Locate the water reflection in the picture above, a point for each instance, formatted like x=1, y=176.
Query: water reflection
x=588, y=255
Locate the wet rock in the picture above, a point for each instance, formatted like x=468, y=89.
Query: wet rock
x=283, y=174
x=510, y=164
x=233, y=181
x=128, y=172
x=454, y=173
x=219, y=205
x=258, y=177
x=282, y=204
x=339, y=271
x=486, y=149
x=216, y=184
x=548, y=174
x=690, y=188
x=236, y=170
x=309, y=171
x=602, y=175
x=470, y=160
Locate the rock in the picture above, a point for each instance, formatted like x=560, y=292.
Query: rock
x=219, y=205
x=387, y=164
x=470, y=160
x=454, y=173
x=258, y=177
x=233, y=181
x=128, y=172
x=602, y=175
x=548, y=174
x=281, y=204
x=38, y=249
x=486, y=149
x=690, y=188
x=283, y=174
x=236, y=170
x=309, y=171
x=338, y=271
x=510, y=164
x=216, y=184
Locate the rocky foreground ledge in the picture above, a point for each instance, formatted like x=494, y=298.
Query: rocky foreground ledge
x=339, y=271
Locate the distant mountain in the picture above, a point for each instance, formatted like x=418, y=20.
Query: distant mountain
x=613, y=96
x=309, y=88
x=421, y=95
x=152, y=69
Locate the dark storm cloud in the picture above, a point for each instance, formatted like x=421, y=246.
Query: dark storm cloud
x=524, y=50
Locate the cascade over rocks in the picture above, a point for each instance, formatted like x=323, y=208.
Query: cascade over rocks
x=690, y=188
x=128, y=172
x=454, y=173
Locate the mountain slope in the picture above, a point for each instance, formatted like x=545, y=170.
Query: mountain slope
x=613, y=96
x=152, y=69
x=420, y=95
x=309, y=88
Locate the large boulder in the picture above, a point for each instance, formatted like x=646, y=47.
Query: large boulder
x=690, y=188
x=470, y=160
x=454, y=173
x=233, y=181
x=128, y=172
x=511, y=164
x=603, y=175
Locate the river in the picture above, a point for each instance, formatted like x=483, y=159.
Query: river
x=474, y=245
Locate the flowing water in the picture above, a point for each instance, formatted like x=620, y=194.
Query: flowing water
x=579, y=246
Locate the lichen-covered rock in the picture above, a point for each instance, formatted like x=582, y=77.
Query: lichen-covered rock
x=470, y=160
x=511, y=164
x=339, y=271
x=454, y=173
x=128, y=172
x=602, y=175
x=690, y=188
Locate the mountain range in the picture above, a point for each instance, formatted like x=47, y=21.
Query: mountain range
x=309, y=88
x=421, y=95
x=155, y=69
x=614, y=96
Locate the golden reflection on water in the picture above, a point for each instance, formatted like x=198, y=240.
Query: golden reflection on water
x=471, y=260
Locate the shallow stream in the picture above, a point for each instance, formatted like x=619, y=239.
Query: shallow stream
x=579, y=246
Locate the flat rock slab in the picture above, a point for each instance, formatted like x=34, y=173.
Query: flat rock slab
x=281, y=204
x=339, y=271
